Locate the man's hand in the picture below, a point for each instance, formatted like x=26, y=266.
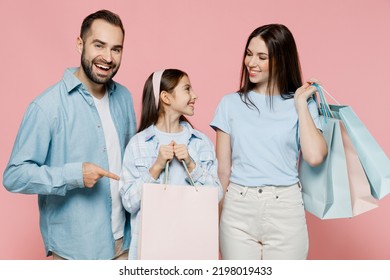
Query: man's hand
x=92, y=173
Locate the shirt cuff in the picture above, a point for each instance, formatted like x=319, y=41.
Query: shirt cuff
x=148, y=178
x=73, y=174
x=196, y=174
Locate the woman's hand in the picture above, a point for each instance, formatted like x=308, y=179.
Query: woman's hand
x=303, y=93
x=313, y=145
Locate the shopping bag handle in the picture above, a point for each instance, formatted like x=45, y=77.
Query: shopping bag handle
x=323, y=104
x=321, y=90
x=186, y=169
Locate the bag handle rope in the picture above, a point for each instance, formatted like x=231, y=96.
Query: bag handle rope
x=186, y=169
x=323, y=104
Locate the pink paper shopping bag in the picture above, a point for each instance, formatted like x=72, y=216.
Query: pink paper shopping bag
x=178, y=223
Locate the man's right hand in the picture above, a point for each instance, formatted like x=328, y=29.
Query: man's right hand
x=92, y=173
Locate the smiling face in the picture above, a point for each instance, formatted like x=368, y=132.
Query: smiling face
x=257, y=63
x=101, y=52
x=183, y=98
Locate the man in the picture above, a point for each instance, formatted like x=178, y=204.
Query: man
x=69, y=150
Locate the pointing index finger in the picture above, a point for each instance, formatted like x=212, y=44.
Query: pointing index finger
x=108, y=174
x=112, y=176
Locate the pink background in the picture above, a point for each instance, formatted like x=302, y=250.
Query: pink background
x=345, y=44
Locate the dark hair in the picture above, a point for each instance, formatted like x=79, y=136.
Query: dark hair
x=106, y=15
x=284, y=66
x=169, y=80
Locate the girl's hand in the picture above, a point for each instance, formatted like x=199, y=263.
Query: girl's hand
x=165, y=153
x=181, y=153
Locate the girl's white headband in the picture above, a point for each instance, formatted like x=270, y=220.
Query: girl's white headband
x=156, y=86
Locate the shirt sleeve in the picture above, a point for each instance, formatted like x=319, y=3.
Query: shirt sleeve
x=133, y=120
x=133, y=176
x=27, y=171
x=206, y=168
x=221, y=116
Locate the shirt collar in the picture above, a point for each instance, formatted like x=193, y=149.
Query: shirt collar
x=150, y=132
x=72, y=83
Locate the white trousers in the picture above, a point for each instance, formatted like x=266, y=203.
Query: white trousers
x=264, y=223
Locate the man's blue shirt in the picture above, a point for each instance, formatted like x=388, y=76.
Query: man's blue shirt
x=60, y=130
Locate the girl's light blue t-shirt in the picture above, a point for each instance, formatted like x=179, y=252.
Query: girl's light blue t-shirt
x=265, y=144
x=177, y=174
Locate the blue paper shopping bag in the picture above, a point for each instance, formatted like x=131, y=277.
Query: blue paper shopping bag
x=325, y=188
x=339, y=187
x=373, y=159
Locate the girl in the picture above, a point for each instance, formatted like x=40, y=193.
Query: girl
x=260, y=131
x=165, y=135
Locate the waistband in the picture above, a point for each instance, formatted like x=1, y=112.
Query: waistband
x=265, y=186
x=264, y=190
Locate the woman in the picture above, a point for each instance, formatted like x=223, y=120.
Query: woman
x=261, y=130
x=165, y=135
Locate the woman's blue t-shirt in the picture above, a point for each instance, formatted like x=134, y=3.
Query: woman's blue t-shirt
x=265, y=145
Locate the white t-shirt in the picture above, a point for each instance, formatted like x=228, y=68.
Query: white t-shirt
x=114, y=162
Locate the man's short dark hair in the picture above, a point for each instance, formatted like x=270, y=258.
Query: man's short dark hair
x=105, y=15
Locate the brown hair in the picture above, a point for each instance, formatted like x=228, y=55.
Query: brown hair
x=106, y=15
x=284, y=66
x=169, y=80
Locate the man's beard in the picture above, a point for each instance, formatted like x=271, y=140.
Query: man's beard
x=87, y=67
